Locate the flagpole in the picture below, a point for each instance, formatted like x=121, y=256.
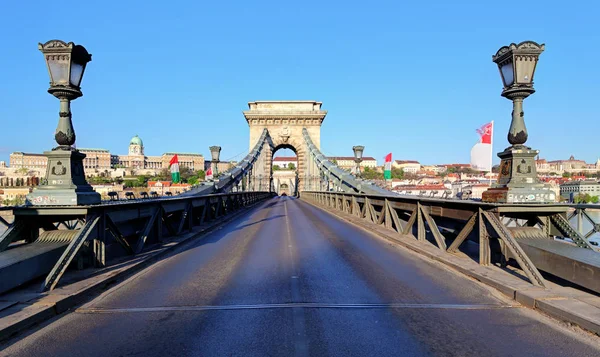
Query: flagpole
x=491, y=153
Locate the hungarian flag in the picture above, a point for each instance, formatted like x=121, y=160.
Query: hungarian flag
x=387, y=168
x=481, y=153
x=174, y=166
x=209, y=174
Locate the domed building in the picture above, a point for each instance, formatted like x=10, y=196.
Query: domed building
x=136, y=146
x=136, y=159
x=98, y=161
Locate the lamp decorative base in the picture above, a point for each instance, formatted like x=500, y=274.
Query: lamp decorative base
x=517, y=179
x=65, y=183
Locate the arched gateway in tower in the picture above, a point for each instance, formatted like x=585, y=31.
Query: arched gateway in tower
x=284, y=121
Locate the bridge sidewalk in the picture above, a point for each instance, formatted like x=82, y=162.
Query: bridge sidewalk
x=26, y=307
x=571, y=306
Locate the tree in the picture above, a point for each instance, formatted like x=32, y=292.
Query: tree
x=566, y=175
x=130, y=183
x=185, y=173
x=163, y=175
x=584, y=198
x=594, y=199
x=276, y=168
x=397, y=173
x=370, y=174
x=334, y=161
x=22, y=171
x=291, y=166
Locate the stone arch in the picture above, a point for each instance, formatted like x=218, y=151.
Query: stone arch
x=285, y=120
x=297, y=148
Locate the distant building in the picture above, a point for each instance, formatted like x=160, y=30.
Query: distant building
x=100, y=160
x=96, y=160
x=570, y=166
x=408, y=166
x=347, y=162
x=434, y=169
x=456, y=166
x=136, y=158
x=476, y=190
x=11, y=193
x=29, y=161
x=2, y=164
x=162, y=187
x=580, y=187
x=284, y=161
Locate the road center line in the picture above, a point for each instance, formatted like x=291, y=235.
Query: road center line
x=300, y=340
x=300, y=305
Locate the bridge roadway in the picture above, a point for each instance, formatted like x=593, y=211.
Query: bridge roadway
x=288, y=279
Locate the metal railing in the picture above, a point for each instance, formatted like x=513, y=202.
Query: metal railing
x=501, y=232
x=125, y=226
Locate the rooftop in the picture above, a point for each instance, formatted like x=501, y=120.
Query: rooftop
x=587, y=182
x=26, y=153
x=285, y=158
x=183, y=153
x=87, y=149
x=339, y=158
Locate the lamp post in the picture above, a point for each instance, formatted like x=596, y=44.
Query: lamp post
x=358, y=153
x=65, y=182
x=517, y=179
x=215, y=152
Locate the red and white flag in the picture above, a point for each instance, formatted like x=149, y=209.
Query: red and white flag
x=209, y=174
x=481, y=153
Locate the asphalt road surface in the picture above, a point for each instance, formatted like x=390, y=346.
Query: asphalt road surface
x=287, y=279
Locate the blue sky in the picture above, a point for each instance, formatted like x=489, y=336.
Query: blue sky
x=413, y=78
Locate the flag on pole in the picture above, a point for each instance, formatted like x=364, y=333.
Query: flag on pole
x=481, y=153
x=209, y=174
x=387, y=168
x=174, y=166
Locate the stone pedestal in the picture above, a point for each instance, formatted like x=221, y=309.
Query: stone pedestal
x=65, y=183
x=517, y=179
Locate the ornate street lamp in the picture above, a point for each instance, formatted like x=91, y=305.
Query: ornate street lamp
x=517, y=180
x=516, y=64
x=358, y=153
x=215, y=152
x=65, y=182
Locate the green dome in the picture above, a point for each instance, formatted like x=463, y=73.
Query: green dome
x=136, y=141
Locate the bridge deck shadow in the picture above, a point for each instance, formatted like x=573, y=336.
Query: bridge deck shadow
x=26, y=295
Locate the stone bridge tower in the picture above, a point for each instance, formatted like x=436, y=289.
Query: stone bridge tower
x=285, y=120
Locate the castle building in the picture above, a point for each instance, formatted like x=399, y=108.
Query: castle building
x=100, y=160
x=571, y=165
x=136, y=158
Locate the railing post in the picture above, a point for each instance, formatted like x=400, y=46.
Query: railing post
x=420, y=223
x=579, y=221
x=484, y=242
